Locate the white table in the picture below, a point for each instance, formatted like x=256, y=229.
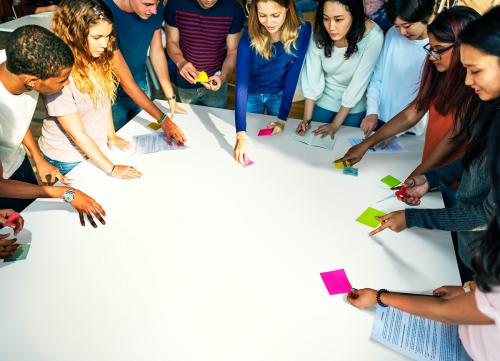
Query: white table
x=42, y=19
x=202, y=259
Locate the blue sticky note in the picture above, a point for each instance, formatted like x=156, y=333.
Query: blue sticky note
x=350, y=171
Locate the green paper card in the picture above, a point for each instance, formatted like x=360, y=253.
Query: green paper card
x=368, y=217
x=390, y=181
x=20, y=253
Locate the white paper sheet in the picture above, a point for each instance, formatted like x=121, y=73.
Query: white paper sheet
x=153, y=142
x=394, y=146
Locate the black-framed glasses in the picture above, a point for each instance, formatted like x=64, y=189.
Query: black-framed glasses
x=436, y=53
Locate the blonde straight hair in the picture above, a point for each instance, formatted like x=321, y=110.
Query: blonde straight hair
x=260, y=38
x=71, y=23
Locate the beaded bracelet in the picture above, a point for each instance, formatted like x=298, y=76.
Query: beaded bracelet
x=379, y=293
x=162, y=118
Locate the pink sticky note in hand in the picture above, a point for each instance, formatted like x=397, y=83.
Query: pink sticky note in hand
x=265, y=132
x=248, y=163
x=336, y=282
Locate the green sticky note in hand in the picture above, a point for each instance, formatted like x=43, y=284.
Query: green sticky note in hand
x=20, y=254
x=368, y=217
x=390, y=181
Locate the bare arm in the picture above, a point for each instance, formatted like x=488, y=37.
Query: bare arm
x=159, y=61
x=443, y=149
x=186, y=69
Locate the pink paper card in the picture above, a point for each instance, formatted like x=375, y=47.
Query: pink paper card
x=265, y=132
x=248, y=163
x=336, y=282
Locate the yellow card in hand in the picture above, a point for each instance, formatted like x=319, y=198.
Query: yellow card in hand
x=202, y=77
x=339, y=165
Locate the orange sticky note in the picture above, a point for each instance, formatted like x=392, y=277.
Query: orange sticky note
x=154, y=126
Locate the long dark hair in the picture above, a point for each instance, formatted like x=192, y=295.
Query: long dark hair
x=486, y=255
x=447, y=90
x=355, y=33
x=484, y=35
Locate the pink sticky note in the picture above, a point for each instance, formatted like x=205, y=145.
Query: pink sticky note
x=265, y=132
x=336, y=282
x=248, y=163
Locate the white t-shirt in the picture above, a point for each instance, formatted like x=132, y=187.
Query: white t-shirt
x=16, y=112
x=396, y=78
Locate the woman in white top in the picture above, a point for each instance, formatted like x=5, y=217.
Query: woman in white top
x=338, y=66
x=476, y=305
x=80, y=121
x=396, y=79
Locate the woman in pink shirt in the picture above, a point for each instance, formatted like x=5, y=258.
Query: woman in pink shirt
x=476, y=305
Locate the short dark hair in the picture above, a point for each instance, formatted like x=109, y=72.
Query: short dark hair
x=34, y=50
x=412, y=11
x=353, y=36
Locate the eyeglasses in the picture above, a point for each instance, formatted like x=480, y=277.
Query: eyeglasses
x=436, y=53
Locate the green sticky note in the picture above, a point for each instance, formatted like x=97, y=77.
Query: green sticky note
x=368, y=217
x=390, y=181
x=20, y=253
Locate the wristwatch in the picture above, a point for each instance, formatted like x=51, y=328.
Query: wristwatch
x=173, y=97
x=69, y=195
x=466, y=286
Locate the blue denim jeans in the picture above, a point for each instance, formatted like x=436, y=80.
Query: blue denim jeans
x=64, y=167
x=258, y=103
x=323, y=115
x=124, y=108
x=203, y=96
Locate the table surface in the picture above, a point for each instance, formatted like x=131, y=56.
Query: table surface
x=42, y=19
x=203, y=259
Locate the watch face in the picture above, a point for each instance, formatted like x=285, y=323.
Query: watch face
x=68, y=196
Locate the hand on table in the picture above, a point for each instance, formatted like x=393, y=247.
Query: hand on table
x=277, y=126
x=303, y=127
x=353, y=155
x=173, y=132
x=7, y=246
x=395, y=221
x=125, y=172
x=368, y=124
x=17, y=225
x=364, y=298
x=326, y=129
x=86, y=205
x=240, y=148
x=175, y=108
x=115, y=141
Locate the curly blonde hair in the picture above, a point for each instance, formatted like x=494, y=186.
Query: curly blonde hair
x=259, y=36
x=71, y=22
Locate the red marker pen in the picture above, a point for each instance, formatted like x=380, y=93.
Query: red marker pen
x=13, y=217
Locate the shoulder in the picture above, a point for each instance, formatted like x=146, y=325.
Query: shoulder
x=373, y=33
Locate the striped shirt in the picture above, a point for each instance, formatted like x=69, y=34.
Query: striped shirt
x=203, y=32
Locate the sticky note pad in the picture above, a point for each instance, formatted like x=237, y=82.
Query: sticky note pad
x=248, y=163
x=20, y=253
x=265, y=132
x=202, y=77
x=368, y=217
x=336, y=282
x=350, y=171
x=154, y=126
x=390, y=181
x=339, y=165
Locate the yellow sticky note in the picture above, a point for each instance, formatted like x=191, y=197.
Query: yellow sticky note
x=154, y=126
x=202, y=77
x=339, y=165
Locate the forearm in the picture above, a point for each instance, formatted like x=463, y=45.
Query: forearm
x=159, y=62
x=340, y=117
x=228, y=65
x=443, y=149
x=91, y=150
x=31, y=146
x=438, y=309
x=22, y=190
x=44, y=9
x=308, y=109
x=175, y=53
x=398, y=124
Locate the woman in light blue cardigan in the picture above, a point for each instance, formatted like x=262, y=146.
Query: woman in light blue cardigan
x=338, y=66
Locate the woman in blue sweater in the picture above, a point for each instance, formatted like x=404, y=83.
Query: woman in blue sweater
x=270, y=56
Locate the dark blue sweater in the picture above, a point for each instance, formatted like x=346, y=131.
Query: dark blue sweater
x=254, y=74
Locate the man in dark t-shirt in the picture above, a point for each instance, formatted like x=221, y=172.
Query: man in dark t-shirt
x=203, y=35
